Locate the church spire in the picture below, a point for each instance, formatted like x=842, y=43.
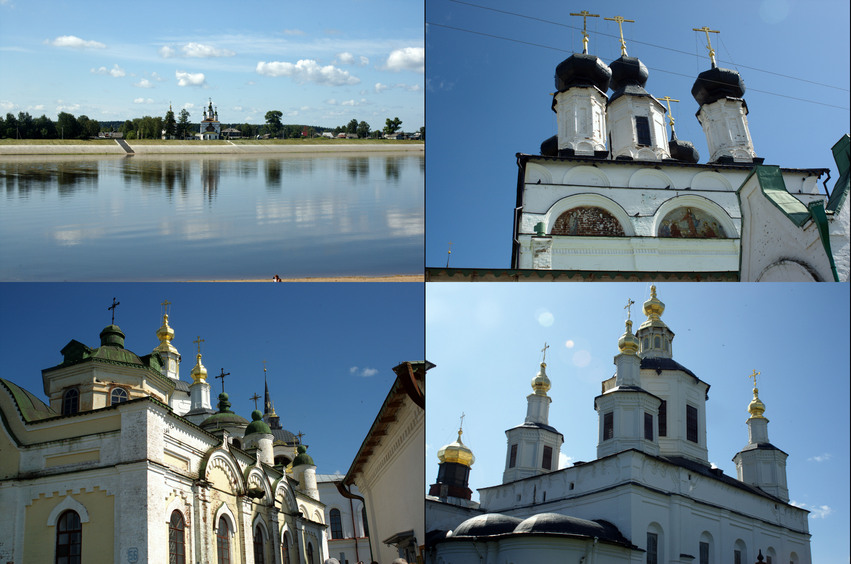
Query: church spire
x=453, y=473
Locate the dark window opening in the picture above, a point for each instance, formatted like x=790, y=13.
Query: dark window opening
x=512, y=459
x=548, y=458
x=608, y=426
x=176, y=539
x=652, y=548
x=71, y=402
x=119, y=395
x=704, y=553
x=648, y=426
x=691, y=423
x=737, y=557
x=336, y=524
x=69, y=538
x=259, y=551
x=663, y=419
x=642, y=130
x=223, y=542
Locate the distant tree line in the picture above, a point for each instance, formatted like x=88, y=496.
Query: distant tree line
x=24, y=126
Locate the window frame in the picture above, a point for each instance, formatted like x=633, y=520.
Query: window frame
x=71, y=401
x=223, y=541
x=259, y=545
x=69, y=533
x=512, y=456
x=175, y=529
x=608, y=426
x=642, y=131
x=692, y=428
x=335, y=521
x=112, y=395
x=648, y=426
x=547, y=459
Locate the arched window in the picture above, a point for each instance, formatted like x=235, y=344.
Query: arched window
x=310, y=554
x=176, y=539
x=365, y=525
x=70, y=402
x=588, y=221
x=707, y=549
x=657, y=342
x=119, y=395
x=336, y=524
x=691, y=223
x=286, y=548
x=69, y=538
x=258, y=546
x=223, y=542
x=655, y=544
x=740, y=552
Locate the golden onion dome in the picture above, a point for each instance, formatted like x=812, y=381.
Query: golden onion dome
x=199, y=373
x=456, y=452
x=756, y=408
x=540, y=383
x=653, y=308
x=165, y=333
x=628, y=343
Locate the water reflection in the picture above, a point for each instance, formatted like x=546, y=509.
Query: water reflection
x=204, y=217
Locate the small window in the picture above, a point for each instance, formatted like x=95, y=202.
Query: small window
x=608, y=426
x=71, y=402
x=176, y=539
x=657, y=342
x=119, y=395
x=548, y=458
x=704, y=553
x=652, y=548
x=663, y=419
x=259, y=549
x=69, y=538
x=691, y=423
x=642, y=130
x=737, y=557
x=512, y=459
x=310, y=554
x=365, y=523
x=223, y=542
x=646, y=343
x=648, y=426
x=286, y=549
x=336, y=524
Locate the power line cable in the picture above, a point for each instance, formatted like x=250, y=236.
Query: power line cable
x=645, y=43
x=561, y=50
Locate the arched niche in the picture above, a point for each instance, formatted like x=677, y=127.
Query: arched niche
x=650, y=178
x=695, y=217
x=537, y=174
x=64, y=505
x=710, y=180
x=566, y=215
x=585, y=176
x=787, y=271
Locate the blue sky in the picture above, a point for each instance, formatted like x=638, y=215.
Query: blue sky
x=318, y=63
x=329, y=348
x=494, y=101
x=485, y=340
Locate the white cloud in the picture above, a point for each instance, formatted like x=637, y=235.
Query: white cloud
x=820, y=458
x=157, y=77
x=115, y=71
x=816, y=511
x=379, y=88
x=237, y=108
x=143, y=101
x=308, y=70
x=409, y=58
x=76, y=43
x=200, y=50
x=38, y=107
x=293, y=32
x=188, y=106
x=564, y=461
x=6, y=105
x=144, y=83
x=363, y=61
x=348, y=103
x=364, y=372
x=166, y=52
x=346, y=58
x=61, y=106
x=189, y=79
x=569, y=344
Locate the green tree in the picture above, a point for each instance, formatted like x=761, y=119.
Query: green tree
x=126, y=128
x=183, y=124
x=273, y=120
x=88, y=127
x=352, y=127
x=45, y=128
x=392, y=125
x=422, y=133
x=170, y=125
x=25, y=126
x=67, y=125
x=363, y=130
x=11, y=127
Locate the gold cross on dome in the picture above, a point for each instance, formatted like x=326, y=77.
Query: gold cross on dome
x=462, y=419
x=255, y=397
x=165, y=305
x=544, y=350
x=753, y=376
x=585, y=15
x=668, y=100
x=112, y=307
x=620, y=20
x=299, y=435
x=708, y=42
x=448, y=254
x=628, y=309
x=198, y=342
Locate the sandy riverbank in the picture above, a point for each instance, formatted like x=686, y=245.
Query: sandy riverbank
x=392, y=278
x=201, y=148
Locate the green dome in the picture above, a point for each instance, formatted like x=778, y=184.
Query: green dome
x=112, y=336
x=257, y=425
x=222, y=419
x=302, y=457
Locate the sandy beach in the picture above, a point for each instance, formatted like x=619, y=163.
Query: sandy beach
x=203, y=148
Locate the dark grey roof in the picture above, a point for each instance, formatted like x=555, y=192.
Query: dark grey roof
x=487, y=524
x=284, y=436
x=181, y=386
x=665, y=364
x=567, y=525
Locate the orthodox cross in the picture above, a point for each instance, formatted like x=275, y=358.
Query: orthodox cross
x=299, y=435
x=544, y=350
x=255, y=397
x=753, y=376
x=462, y=420
x=585, y=15
x=198, y=342
x=620, y=20
x=165, y=305
x=708, y=42
x=448, y=254
x=627, y=307
x=112, y=307
x=668, y=100
x=222, y=376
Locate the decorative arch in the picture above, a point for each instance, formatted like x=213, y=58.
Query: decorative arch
x=742, y=548
x=259, y=521
x=584, y=201
x=710, y=180
x=650, y=178
x=585, y=175
x=177, y=503
x=225, y=511
x=788, y=270
x=64, y=505
x=317, y=517
x=223, y=459
x=699, y=206
x=706, y=537
x=286, y=495
x=655, y=529
x=537, y=174
x=254, y=475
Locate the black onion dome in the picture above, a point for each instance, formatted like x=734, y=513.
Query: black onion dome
x=682, y=150
x=581, y=69
x=487, y=524
x=564, y=524
x=549, y=148
x=717, y=83
x=628, y=71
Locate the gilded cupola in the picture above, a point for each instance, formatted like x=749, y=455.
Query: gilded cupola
x=540, y=383
x=456, y=452
x=628, y=343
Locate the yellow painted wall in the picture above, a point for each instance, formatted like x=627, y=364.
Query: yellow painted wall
x=11, y=458
x=98, y=533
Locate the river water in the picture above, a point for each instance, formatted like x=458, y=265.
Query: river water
x=165, y=218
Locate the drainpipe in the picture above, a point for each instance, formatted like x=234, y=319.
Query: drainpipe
x=346, y=493
x=354, y=530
